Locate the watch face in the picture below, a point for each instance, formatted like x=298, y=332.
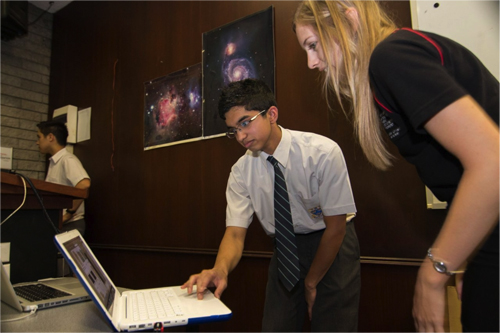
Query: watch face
x=440, y=267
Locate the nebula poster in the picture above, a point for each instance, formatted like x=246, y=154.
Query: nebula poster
x=173, y=108
x=233, y=52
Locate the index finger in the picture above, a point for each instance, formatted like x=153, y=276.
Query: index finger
x=201, y=286
x=206, y=279
x=190, y=283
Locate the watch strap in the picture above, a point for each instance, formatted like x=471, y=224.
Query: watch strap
x=440, y=266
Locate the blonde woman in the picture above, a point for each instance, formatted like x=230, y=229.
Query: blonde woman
x=439, y=105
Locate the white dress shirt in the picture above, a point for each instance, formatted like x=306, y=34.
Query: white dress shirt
x=66, y=169
x=316, y=177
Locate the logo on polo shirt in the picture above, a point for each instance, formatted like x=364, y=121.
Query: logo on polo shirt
x=315, y=212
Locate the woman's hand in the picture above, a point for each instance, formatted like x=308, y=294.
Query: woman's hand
x=429, y=299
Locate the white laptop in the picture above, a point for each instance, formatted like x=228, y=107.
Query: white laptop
x=42, y=294
x=178, y=308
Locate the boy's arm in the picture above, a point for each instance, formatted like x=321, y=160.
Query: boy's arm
x=230, y=251
x=83, y=184
x=327, y=251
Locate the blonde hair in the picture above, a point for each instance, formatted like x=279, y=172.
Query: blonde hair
x=356, y=38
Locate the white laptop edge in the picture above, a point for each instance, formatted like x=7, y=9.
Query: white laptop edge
x=60, y=239
x=114, y=320
x=9, y=295
x=19, y=303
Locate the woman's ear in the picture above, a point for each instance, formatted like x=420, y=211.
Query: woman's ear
x=353, y=17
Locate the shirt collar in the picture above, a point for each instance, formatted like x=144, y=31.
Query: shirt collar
x=57, y=156
x=282, y=152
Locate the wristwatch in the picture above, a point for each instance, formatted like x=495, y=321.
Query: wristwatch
x=440, y=266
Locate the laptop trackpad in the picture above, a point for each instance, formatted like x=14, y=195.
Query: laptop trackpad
x=66, y=283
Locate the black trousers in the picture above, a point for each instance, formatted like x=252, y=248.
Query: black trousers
x=480, y=310
x=337, y=300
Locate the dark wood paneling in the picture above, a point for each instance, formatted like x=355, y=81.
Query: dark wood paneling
x=173, y=197
x=387, y=298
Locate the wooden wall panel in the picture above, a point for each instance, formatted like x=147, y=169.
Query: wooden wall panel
x=172, y=199
x=386, y=298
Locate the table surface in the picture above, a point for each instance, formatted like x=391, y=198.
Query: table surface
x=79, y=317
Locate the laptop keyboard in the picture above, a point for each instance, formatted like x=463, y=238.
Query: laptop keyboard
x=154, y=304
x=38, y=292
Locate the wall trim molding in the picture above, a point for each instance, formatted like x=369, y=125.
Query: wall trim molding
x=178, y=250
x=246, y=254
x=391, y=261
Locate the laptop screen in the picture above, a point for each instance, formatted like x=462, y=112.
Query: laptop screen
x=92, y=272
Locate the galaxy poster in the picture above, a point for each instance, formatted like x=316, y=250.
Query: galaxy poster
x=236, y=51
x=173, y=108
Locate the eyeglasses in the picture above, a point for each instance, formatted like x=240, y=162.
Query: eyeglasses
x=231, y=133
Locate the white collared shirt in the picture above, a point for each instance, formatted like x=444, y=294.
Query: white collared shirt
x=66, y=169
x=316, y=177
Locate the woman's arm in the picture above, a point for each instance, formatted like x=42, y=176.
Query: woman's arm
x=465, y=130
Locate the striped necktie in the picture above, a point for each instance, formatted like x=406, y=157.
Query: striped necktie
x=288, y=260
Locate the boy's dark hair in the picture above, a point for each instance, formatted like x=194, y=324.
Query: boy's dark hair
x=250, y=93
x=57, y=128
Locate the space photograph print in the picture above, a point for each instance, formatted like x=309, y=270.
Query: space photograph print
x=236, y=51
x=183, y=106
x=173, y=108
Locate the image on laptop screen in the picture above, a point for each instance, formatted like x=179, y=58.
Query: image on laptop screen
x=91, y=271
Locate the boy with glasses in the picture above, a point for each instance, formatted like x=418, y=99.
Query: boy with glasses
x=297, y=185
